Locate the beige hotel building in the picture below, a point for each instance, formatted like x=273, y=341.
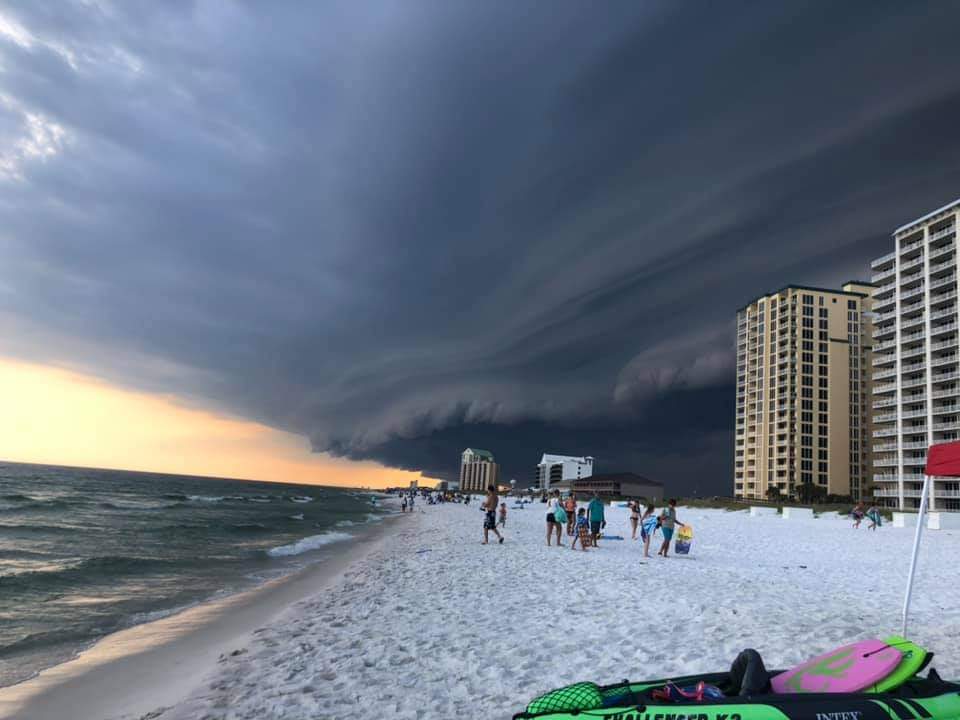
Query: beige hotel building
x=803, y=391
x=477, y=470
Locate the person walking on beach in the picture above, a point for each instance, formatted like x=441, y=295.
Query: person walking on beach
x=595, y=511
x=570, y=506
x=634, y=518
x=648, y=525
x=668, y=520
x=490, y=518
x=503, y=515
x=403, y=504
x=553, y=504
x=874, y=514
x=583, y=531
x=857, y=515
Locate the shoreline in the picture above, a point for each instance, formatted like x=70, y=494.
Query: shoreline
x=151, y=666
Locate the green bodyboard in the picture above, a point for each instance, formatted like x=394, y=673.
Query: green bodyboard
x=914, y=657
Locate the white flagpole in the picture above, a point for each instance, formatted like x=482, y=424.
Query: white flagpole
x=916, y=548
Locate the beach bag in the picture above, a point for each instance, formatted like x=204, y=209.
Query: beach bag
x=684, y=538
x=560, y=515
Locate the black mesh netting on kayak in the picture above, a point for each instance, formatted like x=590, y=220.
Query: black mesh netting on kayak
x=581, y=696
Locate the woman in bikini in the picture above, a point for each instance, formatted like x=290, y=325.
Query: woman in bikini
x=634, y=518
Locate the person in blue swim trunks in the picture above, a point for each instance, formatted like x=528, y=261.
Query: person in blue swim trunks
x=597, y=520
x=668, y=521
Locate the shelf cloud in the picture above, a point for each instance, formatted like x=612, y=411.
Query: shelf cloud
x=399, y=229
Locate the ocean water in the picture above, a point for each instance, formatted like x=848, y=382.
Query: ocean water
x=84, y=553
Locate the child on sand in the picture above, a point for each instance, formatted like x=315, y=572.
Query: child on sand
x=874, y=515
x=570, y=506
x=403, y=505
x=503, y=515
x=648, y=525
x=634, y=518
x=583, y=531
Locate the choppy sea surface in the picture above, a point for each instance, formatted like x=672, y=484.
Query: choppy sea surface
x=84, y=553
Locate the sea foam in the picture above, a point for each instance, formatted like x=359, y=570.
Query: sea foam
x=308, y=543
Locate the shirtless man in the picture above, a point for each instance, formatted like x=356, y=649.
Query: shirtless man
x=490, y=519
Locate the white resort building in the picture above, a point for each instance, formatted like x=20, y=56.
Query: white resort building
x=477, y=470
x=916, y=376
x=562, y=470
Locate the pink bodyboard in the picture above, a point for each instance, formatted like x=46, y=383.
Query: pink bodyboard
x=847, y=669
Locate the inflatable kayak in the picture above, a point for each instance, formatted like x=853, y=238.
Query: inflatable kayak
x=749, y=692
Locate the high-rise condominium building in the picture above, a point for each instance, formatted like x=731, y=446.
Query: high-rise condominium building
x=477, y=470
x=802, y=393
x=561, y=471
x=916, y=378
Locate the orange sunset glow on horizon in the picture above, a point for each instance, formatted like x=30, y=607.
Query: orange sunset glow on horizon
x=59, y=417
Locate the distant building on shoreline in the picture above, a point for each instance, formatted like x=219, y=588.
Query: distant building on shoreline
x=916, y=391
x=477, y=470
x=803, y=384
x=560, y=470
x=620, y=485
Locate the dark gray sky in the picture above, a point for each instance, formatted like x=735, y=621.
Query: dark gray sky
x=401, y=228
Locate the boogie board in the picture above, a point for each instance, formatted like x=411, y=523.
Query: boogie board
x=913, y=661
x=684, y=539
x=847, y=669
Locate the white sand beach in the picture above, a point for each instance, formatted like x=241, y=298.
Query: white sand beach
x=430, y=623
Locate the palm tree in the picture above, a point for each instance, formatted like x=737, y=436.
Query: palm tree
x=805, y=491
x=773, y=493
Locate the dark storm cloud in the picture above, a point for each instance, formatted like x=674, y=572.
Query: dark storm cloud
x=403, y=228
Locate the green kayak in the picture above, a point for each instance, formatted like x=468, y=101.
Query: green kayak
x=745, y=693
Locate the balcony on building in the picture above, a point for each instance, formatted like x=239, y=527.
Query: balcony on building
x=883, y=358
x=884, y=262
x=884, y=328
x=913, y=291
x=881, y=388
x=938, y=330
x=885, y=373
